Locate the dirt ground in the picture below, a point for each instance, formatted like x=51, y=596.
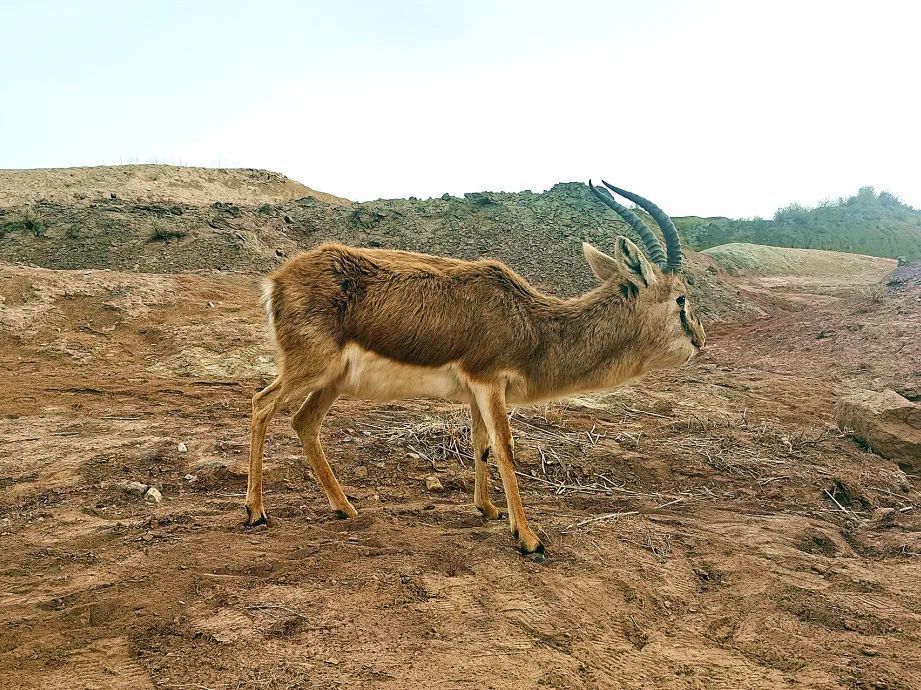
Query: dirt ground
x=706, y=528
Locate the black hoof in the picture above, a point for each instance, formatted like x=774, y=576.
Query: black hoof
x=262, y=520
x=538, y=555
x=341, y=515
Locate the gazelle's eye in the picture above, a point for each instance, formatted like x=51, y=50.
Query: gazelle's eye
x=680, y=300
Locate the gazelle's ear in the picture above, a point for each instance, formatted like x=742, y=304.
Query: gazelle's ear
x=633, y=259
x=603, y=266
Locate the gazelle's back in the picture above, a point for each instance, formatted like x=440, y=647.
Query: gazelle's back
x=412, y=308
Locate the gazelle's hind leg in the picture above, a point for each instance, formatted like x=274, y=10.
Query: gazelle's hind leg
x=265, y=403
x=307, y=423
x=479, y=437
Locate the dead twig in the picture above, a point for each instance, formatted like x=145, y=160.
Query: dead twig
x=646, y=412
x=258, y=607
x=600, y=518
x=843, y=509
x=513, y=651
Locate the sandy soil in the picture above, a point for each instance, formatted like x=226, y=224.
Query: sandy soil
x=710, y=528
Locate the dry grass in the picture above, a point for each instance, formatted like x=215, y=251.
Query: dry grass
x=555, y=451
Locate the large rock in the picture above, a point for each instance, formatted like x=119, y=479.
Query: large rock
x=889, y=424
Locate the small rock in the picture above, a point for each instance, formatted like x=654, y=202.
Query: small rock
x=133, y=488
x=883, y=516
x=183, y=447
x=361, y=472
x=433, y=484
x=153, y=496
x=217, y=469
x=5, y=523
x=191, y=478
x=867, y=651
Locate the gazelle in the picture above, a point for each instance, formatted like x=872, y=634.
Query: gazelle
x=381, y=324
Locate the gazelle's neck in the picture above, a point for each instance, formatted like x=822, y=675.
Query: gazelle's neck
x=592, y=342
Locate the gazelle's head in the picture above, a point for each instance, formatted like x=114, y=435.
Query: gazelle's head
x=661, y=315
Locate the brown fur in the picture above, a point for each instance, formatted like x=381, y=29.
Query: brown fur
x=482, y=331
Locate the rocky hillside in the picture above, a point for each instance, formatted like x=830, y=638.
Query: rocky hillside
x=174, y=231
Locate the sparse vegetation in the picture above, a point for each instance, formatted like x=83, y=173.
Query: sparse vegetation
x=878, y=224
x=165, y=233
x=28, y=220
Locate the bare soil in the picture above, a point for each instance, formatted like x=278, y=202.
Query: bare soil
x=706, y=528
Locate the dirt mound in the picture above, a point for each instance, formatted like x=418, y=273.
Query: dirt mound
x=152, y=183
x=838, y=269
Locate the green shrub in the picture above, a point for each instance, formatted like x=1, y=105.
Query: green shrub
x=32, y=221
x=866, y=223
x=164, y=233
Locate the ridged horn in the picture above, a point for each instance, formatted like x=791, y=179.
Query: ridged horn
x=653, y=246
x=672, y=242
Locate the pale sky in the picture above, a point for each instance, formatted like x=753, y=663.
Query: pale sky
x=709, y=108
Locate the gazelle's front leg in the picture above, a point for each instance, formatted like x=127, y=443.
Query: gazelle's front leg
x=490, y=399
x=479, y=438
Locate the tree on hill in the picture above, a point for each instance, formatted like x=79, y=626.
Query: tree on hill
x=878, y=224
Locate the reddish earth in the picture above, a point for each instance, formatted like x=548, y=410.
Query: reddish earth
x=707, y=528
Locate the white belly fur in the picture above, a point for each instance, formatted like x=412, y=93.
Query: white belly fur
x=372, y=377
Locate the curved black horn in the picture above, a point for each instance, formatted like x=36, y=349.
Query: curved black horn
x=672, y=242
x=653, y=246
